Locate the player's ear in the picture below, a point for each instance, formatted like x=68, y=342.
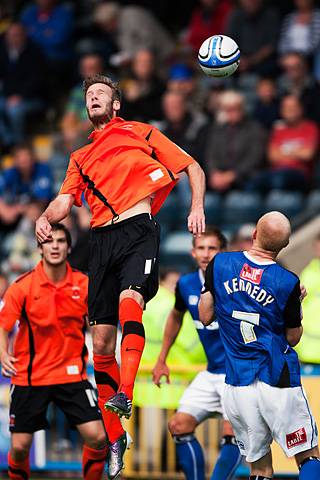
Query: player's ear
x=69, y=250
x=116, y=105
x=193, y=253
x=254, y=235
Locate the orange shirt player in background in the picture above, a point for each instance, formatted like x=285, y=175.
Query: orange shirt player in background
x=126, y=173
x=49, y=358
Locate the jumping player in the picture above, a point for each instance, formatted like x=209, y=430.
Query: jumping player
x=257, y=305
x=49, y=359
x=203, y=397
x=126, y=172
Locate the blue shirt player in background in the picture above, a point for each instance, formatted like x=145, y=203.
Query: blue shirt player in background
x=257, y=305
x=202, y=398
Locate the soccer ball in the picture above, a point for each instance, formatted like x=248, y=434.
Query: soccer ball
x=219, y=56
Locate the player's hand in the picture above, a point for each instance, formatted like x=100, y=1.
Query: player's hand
x=303, y=292
x=160, y=370
x=196, y=221
x=7, y=365
x=43, y=230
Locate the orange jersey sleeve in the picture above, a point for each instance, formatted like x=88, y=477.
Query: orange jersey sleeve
x=73, y=183
x=13, y=302
x=167, y=152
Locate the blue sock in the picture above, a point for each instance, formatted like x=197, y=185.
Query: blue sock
x=190, y=456
x=228, y=460
x=310, y=469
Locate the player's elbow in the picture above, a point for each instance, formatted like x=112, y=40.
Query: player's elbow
x=294, y=335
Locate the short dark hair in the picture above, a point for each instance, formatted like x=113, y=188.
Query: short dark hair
x=60, y=227
x=212, y=231
x=22, y=146
x=99, y=78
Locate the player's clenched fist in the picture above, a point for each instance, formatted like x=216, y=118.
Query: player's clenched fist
x=43, y=229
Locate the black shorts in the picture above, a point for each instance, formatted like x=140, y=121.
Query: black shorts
x=28, y=407
x=122, y=256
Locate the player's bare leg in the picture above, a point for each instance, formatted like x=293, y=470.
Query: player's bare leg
x=132, y=344
x=309, y=464
x=18, y=456
x=94, y=453
x=262, y=468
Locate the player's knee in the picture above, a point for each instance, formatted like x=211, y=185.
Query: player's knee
x=181, y=424
x=20, y=451
x=136, y=296
x=97, y=441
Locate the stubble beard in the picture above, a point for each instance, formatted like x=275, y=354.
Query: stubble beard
x=100, y=120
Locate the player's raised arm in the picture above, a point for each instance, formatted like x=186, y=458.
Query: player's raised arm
x=57, y=210
x=172, y=328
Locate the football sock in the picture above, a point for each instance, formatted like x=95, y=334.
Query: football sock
x=18, y=470
x=106, y=373
x=310, y=469
x=132, y=343
x=93, y=462
x=228, y=460
x=190, y=456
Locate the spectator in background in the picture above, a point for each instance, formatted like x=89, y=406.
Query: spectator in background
x=26, y=182
x=182, y=79
x=75, y=124
x=143, y=90
x=308, y=348
x=183, y=125
x=297, y=80
x=300, y=29
x=266, y=105
x=254, y=26
x=50, y=26
x=133, y=28
x=242, y=239
x=235, y=145
x=210, y=17
x=22, y=73
x=187, y=127
x=292, y=149
x=20, y=247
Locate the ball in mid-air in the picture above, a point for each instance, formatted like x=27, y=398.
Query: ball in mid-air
x=219, y=56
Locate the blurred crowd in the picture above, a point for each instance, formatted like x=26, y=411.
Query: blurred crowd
x=257, y=131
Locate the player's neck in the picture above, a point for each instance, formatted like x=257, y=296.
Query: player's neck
x=55, y=273
x=259, y=253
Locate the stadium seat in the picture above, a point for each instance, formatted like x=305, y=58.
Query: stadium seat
x=175, y=251
x=313, y=201
x=289, y=203
x=241, y=207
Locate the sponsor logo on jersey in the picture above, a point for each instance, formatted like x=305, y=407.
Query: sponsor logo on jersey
x=252, y=274
x=75, y=292
x=296, y=438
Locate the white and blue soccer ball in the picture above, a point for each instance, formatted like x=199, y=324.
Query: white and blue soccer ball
x=219, y=56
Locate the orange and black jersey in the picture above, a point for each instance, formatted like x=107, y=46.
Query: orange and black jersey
x=50, y=345
x=125, y=163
